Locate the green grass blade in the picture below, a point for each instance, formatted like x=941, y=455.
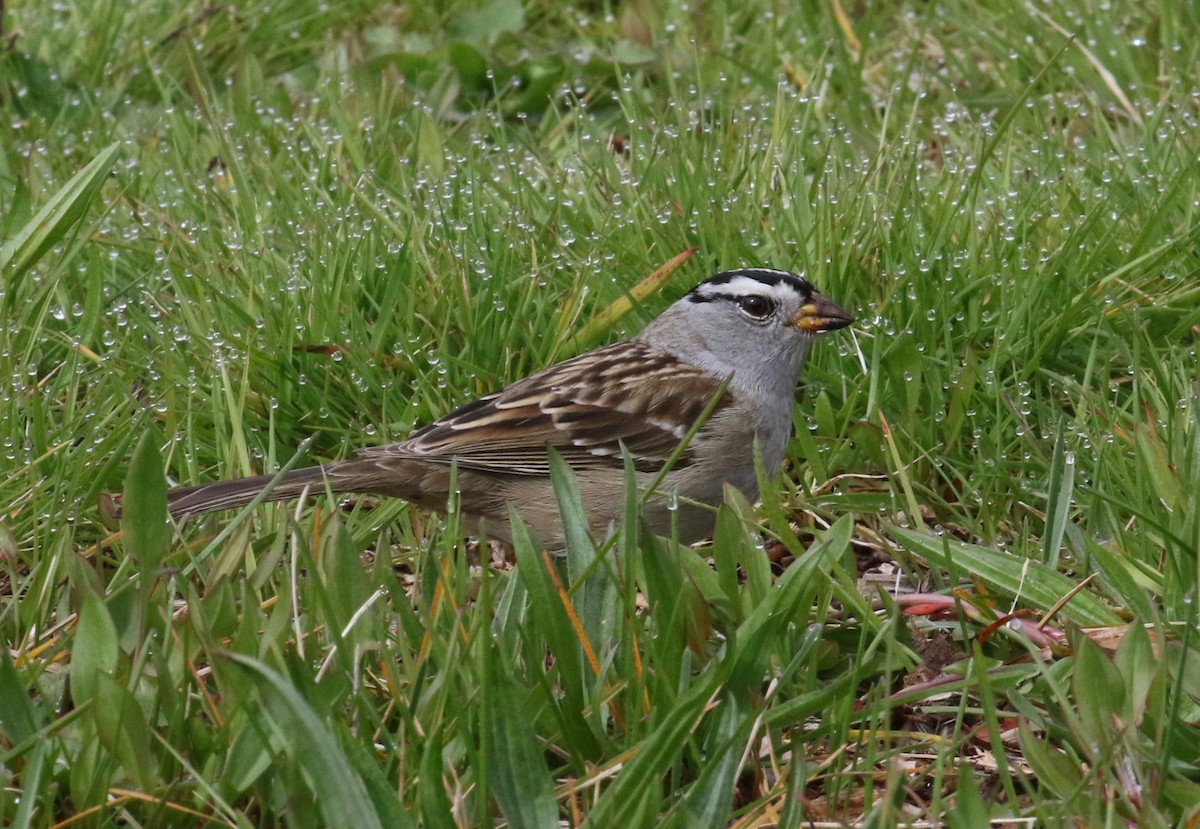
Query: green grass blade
x=708, y=799
x=625, y=803
x=339, y=792
x=1058, y=502
x=58, y=215
x=594, y=593
x=516, y=770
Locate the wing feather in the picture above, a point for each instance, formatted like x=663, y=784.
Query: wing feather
x=627, y=394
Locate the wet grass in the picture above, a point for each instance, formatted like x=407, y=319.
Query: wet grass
x=322, y=225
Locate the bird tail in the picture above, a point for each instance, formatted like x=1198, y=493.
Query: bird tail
x=193, y=500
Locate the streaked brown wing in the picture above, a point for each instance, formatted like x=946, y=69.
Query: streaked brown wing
x=628, y=393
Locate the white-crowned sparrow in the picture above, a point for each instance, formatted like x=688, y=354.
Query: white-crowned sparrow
x=742, y=335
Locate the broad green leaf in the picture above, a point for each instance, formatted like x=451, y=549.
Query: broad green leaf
x=1136, y=664
x=492, y=20
x=18, y=719
x=246, y=760
x=123, y=731
x=1036, y=584
x=430, y=146
x=1129, y=582
x=1099, y=694
x=94, y=649
x=1051, y=766
x=728, y=549
x=1152, y=456
x=435, y=807
x=823, y=415
x=626, y=51
x=670, y=598
x=516, y=770
x=144, y=508
x=381, y=791
x=754, y=561
x=347, y=583
x=1182, y=793
x=539, y=81
x=694, y=604
x=90, y=773
x=814, y=459
x=470, y=64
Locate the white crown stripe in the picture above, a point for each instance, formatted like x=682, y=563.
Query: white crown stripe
x=748, y=286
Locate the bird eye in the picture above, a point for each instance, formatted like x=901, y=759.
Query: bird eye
x=758, y=307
